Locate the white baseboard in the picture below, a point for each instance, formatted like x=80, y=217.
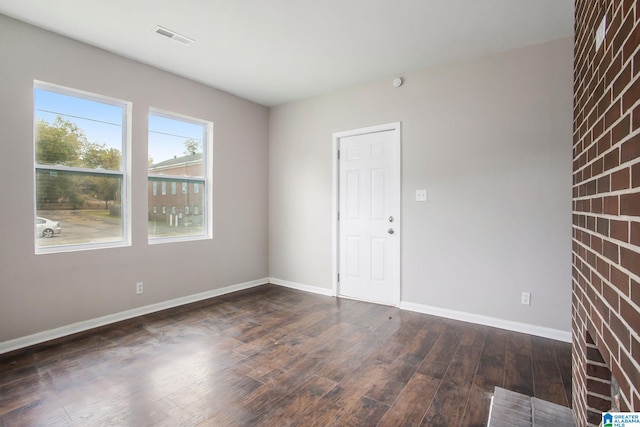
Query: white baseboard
x=74, y=328
x=301, y=287
x=509, y=325
x=525, y=328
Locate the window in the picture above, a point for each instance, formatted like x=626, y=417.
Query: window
x=164, y=210
x=179, y=152
x=155, y=210
x=164, y=188
x=80, y=166
x=196, y=210
x=155, y=188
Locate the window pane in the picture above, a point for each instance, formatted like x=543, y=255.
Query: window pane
x=73, y=131
x=77, y=208
x=178, y=220
x=177, y=150
x=175, y=146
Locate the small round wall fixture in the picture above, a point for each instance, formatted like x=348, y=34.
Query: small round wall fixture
x=397, y=82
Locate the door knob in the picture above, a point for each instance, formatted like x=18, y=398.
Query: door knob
x=390, y=219
x=390, y=231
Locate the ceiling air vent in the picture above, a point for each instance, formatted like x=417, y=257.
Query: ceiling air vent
x=184, y=40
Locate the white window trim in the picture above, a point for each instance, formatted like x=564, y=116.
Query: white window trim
x=205, y=181
x=124, y=172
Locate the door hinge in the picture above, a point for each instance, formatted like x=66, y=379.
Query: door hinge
x=338, y=215
x=338, y=154
x=338, y=277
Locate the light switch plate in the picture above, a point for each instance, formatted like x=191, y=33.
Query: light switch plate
x=421, y=195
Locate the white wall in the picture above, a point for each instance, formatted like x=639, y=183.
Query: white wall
x=38, y=293
x=491, y=141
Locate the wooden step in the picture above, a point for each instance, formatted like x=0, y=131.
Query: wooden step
x=509, y=409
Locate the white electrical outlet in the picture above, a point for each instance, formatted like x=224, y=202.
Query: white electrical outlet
x=139, y=288
x=526, y=298
x=421, y=195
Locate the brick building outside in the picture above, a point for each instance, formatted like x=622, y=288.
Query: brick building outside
x=176, y=191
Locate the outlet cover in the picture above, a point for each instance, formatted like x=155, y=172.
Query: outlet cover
x=421, y=195
x=526, y=298
x=139, y=288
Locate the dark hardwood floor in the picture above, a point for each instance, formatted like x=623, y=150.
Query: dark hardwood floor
x=272, y=356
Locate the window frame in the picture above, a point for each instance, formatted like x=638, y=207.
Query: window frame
x=124, y=173
x=205, y=181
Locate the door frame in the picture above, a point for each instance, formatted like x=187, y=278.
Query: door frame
x=394, y=127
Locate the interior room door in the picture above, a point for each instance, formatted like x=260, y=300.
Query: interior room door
x=369, y=215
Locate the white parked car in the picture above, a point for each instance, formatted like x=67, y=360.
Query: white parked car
x=47, y=228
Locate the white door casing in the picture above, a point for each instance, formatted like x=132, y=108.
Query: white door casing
x=367, y=202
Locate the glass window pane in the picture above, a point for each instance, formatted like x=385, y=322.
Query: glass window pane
x=177, y=154
x=77, y=208
x=178, y=220
x=79, y=132
x=75, y=133
x=175, y=146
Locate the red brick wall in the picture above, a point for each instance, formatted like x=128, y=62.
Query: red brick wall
x=606, y=203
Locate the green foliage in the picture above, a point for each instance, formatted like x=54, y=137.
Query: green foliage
x=64, y=143
x=96, y=155
x=192, y=146
x=55, y=187
x=59, y=143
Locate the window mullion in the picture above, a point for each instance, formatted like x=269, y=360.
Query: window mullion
x=73, y=169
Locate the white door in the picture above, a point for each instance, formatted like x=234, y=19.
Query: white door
x=369, y=214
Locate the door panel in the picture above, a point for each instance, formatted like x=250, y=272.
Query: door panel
x=369, y=188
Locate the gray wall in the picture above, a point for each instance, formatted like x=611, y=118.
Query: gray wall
x=491, y=141
x=42, y=292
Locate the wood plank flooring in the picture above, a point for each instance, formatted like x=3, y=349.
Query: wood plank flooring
x=272, y=356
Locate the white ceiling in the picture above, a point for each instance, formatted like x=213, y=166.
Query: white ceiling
x=276, y=51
